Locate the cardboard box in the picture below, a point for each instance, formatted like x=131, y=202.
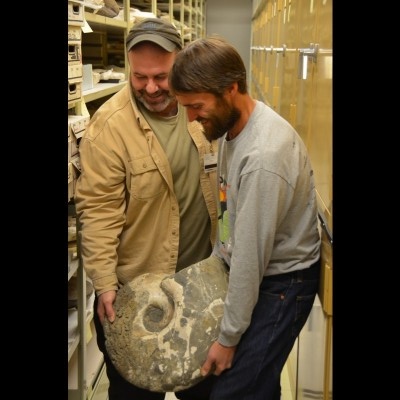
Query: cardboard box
x=73, y=148
x=75, y=71
x=69, y=150
x=74, y=89
x=74, y=170
x=76, y=128
x=76, y=162
x=77, y=125
x=70, y=181
x=74, y=34
x=75, y=13
x=74, y=53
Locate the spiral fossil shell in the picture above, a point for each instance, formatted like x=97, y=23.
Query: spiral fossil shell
x=165, y=325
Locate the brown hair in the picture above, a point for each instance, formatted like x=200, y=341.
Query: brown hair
x=207, y=65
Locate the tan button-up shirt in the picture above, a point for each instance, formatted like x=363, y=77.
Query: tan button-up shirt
x=125, y=197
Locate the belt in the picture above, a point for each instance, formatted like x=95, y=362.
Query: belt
x=311, y=272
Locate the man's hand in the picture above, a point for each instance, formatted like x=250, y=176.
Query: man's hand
x=105, y=307
x=219, y=358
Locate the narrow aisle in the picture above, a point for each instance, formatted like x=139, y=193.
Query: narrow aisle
x=285, y=383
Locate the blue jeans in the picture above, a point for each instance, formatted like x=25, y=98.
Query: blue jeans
x=284, y=304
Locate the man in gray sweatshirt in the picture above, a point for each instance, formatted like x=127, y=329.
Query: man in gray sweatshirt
x=268, y=221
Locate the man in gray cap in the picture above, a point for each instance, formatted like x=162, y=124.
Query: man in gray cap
x=146, y=196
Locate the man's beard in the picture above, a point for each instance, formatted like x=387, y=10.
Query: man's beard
x=218, y=125
x=154, y=107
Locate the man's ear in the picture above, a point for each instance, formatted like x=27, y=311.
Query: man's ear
x=232, y=90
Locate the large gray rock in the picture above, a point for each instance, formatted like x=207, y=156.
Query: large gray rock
x=165, y=325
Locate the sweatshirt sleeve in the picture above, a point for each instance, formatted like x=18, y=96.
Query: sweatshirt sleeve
x=260, y=196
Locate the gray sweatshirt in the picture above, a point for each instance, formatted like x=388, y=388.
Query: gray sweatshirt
x=268, y=219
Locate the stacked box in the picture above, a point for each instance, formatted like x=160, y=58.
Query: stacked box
x=75, y=71
x=74, y=53
x=70, y=181
x=76, y=123
x=74, y=34
x=74, y=90
x=74, y=170
x=76, y=128
x=75, y=12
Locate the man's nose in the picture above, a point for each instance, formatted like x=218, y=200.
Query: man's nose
x=151, y=87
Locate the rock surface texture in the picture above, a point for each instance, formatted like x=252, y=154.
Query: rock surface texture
x=165, y=325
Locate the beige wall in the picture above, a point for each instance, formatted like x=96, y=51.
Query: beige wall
x=305, y=102
x=291, y=70
x=232, y=20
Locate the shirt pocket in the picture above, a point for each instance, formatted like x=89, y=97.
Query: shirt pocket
x=146, y=180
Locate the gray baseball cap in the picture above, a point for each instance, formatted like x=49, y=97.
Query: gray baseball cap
x=154, y=30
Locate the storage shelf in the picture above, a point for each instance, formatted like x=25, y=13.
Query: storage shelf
x=73, y=332
x=85, y=361
x=73, y=335
x=95, y=20
x=101, y=90
x=100, y=390
x=95, y=361
x=72, y=104
x=84, y=358
x=73, y=267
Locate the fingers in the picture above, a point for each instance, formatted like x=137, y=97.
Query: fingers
x=219, y=358
x=210, y=367
x=105, y=307
x=110, y=314
x=219, y=370
x=207, y=368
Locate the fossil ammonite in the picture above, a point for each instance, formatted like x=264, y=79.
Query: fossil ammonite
x=165, y=325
